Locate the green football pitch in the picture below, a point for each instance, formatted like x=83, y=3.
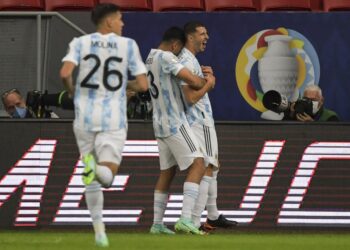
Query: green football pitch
x=240, y=241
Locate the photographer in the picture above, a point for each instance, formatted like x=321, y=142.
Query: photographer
x=35, y=105
x=310, y=107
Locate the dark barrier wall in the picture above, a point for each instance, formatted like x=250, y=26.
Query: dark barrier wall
x=272, y=176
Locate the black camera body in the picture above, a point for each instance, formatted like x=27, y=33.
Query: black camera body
x=35, y=105
x=303, y=105
x=144, y=96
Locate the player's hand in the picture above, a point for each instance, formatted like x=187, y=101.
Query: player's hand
x=304, y=117
x=207, y=70
x=210, y=80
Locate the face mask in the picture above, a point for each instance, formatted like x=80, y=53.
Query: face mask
x=315, y=107
x=20, y=112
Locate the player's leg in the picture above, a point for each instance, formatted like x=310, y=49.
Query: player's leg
x=211, y=204
x=108, y=148
x=161, y=192
x=214, y=219
x=190, y=195
x=94, y=200
x=189, y=157
x=204, y=139
x=93, y=191
x=202, y=196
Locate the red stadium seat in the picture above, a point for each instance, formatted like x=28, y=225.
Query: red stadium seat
x=56, y=5
x=336, y=5
x=218, y=5
x=316, y=5
x=293, y=5
x=21, y=5
x=131, y=5
x=178, y=5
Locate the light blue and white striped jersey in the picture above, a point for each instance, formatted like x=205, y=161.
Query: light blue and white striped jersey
x=100, y=91
x=201, y=111
x=168, y=109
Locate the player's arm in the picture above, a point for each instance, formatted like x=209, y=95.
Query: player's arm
x=192, y=80
x=138, y=69
x=66, y=75
x=70, y=61
x=139, y=84
x=192, y=95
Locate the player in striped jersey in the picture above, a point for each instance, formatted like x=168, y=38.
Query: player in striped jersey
x=176, y=142
x=100, y=124
x=200, y=118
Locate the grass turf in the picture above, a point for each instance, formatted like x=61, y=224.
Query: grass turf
x=241, y=241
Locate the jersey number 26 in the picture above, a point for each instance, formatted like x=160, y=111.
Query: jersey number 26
x=106, y=73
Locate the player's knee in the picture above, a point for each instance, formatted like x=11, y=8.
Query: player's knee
x=107, y=183
x=209, y=171
x=199, y=164
x=105, y=174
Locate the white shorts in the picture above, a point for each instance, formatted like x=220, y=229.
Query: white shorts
x=180, y=149
x=107, y=146
x=207, y=139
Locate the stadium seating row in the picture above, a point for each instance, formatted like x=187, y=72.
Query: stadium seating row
x=181, y=5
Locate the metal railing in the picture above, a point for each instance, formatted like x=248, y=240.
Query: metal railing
x=41, y=73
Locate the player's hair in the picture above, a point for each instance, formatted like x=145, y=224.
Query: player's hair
x=102, y=10
x=174, y=33
x=191, y=27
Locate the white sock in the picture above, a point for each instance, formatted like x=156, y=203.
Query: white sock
x=104, y=175
x=201, y=200
x=212, y=208
x=159, y=206
x=190, y=196
x=94, y=201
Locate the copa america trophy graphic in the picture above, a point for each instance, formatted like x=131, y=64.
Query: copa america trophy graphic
x=278, y=70
x=278, y=64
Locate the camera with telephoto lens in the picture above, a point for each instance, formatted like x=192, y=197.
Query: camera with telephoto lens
x=35, y=105
x=276, y=102
x=303, y=105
